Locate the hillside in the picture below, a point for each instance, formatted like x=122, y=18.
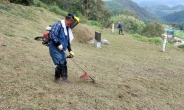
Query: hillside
x=129, y=74
x=147, y=3
x=163, y=10
x=175, y=17
x=116, y=5
x=170, y=3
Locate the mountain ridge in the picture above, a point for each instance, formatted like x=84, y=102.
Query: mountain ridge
x=142, y=14
x=175, y=17
x=170, y=3
x=163, y=10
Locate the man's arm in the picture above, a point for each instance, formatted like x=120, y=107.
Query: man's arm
x=118, y=26
x=54, y=33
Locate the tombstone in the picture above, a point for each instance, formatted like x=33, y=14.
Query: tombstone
x=97, y=41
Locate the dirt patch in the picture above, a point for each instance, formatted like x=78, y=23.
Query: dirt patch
x=83, y=33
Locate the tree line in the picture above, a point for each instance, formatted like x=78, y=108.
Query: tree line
x=96, y=12
x=132, y=25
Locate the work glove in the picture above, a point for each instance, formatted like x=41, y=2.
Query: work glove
x=71, y=54
x=60, y=47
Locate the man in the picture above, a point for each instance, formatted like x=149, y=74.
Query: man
x=120, y=26
x=61, y=36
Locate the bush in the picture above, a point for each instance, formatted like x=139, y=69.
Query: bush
x=38, y=3
x=57, y=10
x=181, y=46
x=94, y=23
x=153, y=29
x=130, y=23
x=156, y=41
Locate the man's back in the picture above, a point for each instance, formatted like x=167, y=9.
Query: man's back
x=120, y=26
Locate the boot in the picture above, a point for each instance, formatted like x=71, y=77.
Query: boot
x=57, y=75
x=65, y=75
x=57, y=81
x=66, y=80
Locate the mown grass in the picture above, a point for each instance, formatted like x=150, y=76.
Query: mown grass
x=129, y=74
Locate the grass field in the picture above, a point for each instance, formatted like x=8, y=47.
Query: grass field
x=129, y=74
x=179, y=34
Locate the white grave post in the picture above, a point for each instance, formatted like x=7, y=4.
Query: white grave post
x=112, y=28
x=164, y=43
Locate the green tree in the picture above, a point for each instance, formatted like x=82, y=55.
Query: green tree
x=95, y=10
x=153, y=29
x=130, y=23
x=181, y=26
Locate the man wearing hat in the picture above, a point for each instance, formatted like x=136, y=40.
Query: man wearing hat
x=60, y=38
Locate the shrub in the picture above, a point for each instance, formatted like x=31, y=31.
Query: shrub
x=156, y=41
x=38, y=3
x=130, y=23
x=57, y=10
x=153, y=29
x=94, y=23
x=181, y=46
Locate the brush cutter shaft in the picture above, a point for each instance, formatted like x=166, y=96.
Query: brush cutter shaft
x=78, y=65
x=82, y=69
x=92, y=79
x=74, y=62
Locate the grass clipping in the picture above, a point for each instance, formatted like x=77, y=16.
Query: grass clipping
x=83, y=33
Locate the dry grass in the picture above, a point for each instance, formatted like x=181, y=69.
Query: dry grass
x=130, y=74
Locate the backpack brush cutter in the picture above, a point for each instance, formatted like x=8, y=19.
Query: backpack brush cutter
x=45, y=41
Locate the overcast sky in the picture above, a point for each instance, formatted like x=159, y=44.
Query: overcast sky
x=166, y=2
x=152, y=0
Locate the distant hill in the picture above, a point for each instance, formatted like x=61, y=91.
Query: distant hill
x=177, y=8
x=175, y=17
x=163, y=10
x=142, y=14
x=171, y=3
x=148, y=3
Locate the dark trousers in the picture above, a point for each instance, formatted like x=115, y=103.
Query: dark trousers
x=120, y=31
x=61, y=71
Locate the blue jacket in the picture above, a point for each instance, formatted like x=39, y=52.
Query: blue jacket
x=58, y=37
x=120, y=26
